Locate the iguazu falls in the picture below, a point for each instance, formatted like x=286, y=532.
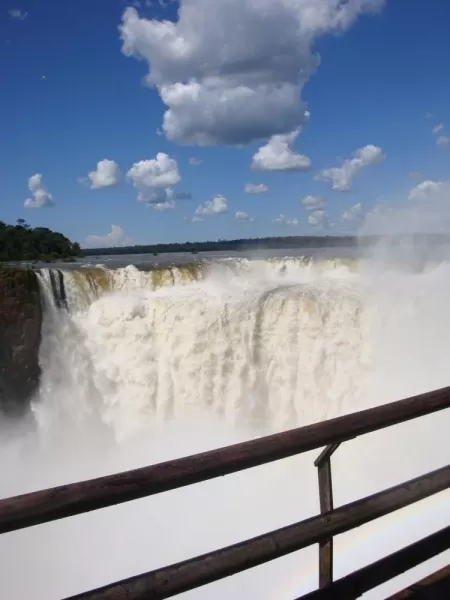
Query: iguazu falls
x=144, y=365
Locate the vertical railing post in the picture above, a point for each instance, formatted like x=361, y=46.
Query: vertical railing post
x=323, y=464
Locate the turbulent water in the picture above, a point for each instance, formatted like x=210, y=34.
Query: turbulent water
x=141, y=366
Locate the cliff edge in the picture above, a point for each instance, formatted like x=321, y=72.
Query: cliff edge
x=20, y=336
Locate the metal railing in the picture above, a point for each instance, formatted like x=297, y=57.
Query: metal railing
x=77, y=498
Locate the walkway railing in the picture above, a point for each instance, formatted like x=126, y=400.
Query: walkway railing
x=69, y=500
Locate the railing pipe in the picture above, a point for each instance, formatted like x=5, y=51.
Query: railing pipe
x=361, y=581
x=190, y=574
x=68, y=500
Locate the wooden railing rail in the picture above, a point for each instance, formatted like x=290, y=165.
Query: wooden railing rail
x=76, y=498
x=68, y=500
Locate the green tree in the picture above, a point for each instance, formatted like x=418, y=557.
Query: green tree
x=22, y=242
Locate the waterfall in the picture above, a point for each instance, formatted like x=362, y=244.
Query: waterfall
x=142, y=366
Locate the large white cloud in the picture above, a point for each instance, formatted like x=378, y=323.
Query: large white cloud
x=41, y=196
x=211, y=207
x=233, y=72
x=278, y=155
x=341, y=177
x=116, y=237
x=107, y=174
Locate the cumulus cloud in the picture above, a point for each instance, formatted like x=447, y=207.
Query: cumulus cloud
x=153, y=178
x=234, y=74
x=253, y=188
x=354, y=214
x=212, y=207
x=244, y=216
x=195, y=162
x=278, y=155
x=16, y=13
x=116, y=237
x=41, y=196
x=161, y=171
x=437, y=128
x=313, y=202
x=430, y=191
x=196, y=219
x=341, y=177
x=107, y=174
x=443, y=140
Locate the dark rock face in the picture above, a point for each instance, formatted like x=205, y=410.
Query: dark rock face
x=20, y=336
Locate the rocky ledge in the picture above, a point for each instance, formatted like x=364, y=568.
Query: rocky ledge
x=20, y=336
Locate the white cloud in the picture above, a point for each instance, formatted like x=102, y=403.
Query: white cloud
x=153, y=179
x=116, y=237
x=341, y=177
x=107, y=174
x=437, y=128
x=282, y=220
x=162, y=206
x=244, y=216
x=160, y=171
x=211, y=207
x=16, y=13
x=278, y=155
x=430, y=191
x=196, y=219
x=429, y=115
x=318, y=219
x=355, y=213
x=443, y=140
x=313, y=202
x=255, y=188
x=235, y=74
x=152, y=196
x=41, y=196
x=195, y=162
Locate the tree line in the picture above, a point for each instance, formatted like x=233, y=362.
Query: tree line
x=24, y=243
x=230, y=245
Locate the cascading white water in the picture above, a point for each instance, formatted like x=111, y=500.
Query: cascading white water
x=144, y=366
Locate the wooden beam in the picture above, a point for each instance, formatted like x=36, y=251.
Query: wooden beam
x=326, y=505
x=326, y=454
x=359, y=582
x=68, y=500
x=434, y=587
x=190, y=574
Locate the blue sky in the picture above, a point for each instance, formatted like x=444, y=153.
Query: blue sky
x=231, y=79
